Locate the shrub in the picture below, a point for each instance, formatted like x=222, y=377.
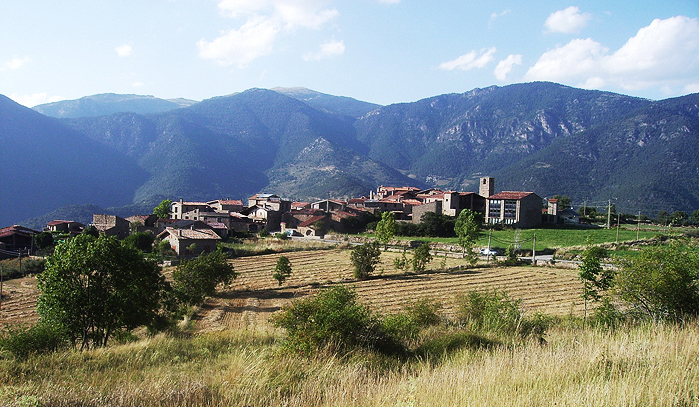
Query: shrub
x=406, y=325
x=197, y=279
x=40, y=338
x=421, y=256
x=282, y=270
x=494, y=312
x=663, y=281
x=333, y=319
x=365, y=258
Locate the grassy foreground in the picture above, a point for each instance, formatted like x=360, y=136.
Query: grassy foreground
x=651, y=365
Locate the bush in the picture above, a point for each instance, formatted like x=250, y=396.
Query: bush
x=40, y=338
x=662, y=282
x=365, y=258
x=494, y=312
x=406, y=325
x=194, y=280
x=421, y=256
x=333, y=319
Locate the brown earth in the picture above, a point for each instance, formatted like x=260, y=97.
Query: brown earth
x=252, y=298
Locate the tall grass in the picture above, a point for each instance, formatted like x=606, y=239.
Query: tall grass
x=651, y=365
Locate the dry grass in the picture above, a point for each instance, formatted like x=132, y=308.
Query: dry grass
x=641, y=366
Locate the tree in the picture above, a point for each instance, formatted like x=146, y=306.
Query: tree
x=468, y=229
x=142, y=241
x=663, y=281
x=694, y=217
x=437, y=225
x=421, y=256
x=678, y=218
x=91, y=230
x=94, y=287
x=364, y=258
x=593, y=276
x=282, y=270
x=196, y=279
x=162, y=211
x=563, y=201
x=386, y=228
x=44, y=240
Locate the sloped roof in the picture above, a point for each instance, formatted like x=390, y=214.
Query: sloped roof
x=311, y=221
x=17, y=230
x=510, y=195
x=191, y=234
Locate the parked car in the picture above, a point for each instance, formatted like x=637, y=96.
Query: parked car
x=489, y=252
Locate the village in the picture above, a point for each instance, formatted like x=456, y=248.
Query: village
x=196, y=227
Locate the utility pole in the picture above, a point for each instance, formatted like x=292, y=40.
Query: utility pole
x=534, y=252
x=490, y=236
x=638, y=227
x=609, y=214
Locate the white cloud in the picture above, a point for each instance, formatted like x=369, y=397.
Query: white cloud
x=578, y=58
x=389, y=1
x=124, y=50
x=35, y=99
x=16, y=63
x=469, y=61
x=289, y=13
x=327, y=50
x=137, y=84
x=505, y=66
x=242, y=46
x=236, y=8
x=498, y=15
x=664, y=53
x=691, y=87
x=568, y=21
x=265, y=20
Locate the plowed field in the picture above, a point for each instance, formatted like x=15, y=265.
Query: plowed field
x=255, y=295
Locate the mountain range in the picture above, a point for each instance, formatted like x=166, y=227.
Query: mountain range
x=133, y=151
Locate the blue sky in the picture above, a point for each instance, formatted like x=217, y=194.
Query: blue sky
x=381, y=51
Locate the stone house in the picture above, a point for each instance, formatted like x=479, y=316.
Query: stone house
x=111, y=225
x=181, y=240
x=65, y=226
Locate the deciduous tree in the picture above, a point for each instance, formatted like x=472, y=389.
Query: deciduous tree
x=162, y=211
x=365, y=258
x=468, y=229
x=421, y=256
x=593, y=276
x=663, y=281
x=196, y=279
x=386, y=228
x=94, y=287
x=282, y=270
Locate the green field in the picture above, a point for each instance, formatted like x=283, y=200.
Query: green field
x=549, y=238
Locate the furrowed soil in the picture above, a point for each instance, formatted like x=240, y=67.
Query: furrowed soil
x=252, y=298
x=255, y=295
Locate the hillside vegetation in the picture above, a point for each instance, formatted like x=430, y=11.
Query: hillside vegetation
x=542, y=137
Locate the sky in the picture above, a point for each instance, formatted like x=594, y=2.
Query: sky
x=380, y=51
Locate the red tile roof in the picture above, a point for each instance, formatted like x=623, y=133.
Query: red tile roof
x=510, y=195
x=311, y=221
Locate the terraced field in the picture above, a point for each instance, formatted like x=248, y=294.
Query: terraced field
x=255, y=295
x=19, y=302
